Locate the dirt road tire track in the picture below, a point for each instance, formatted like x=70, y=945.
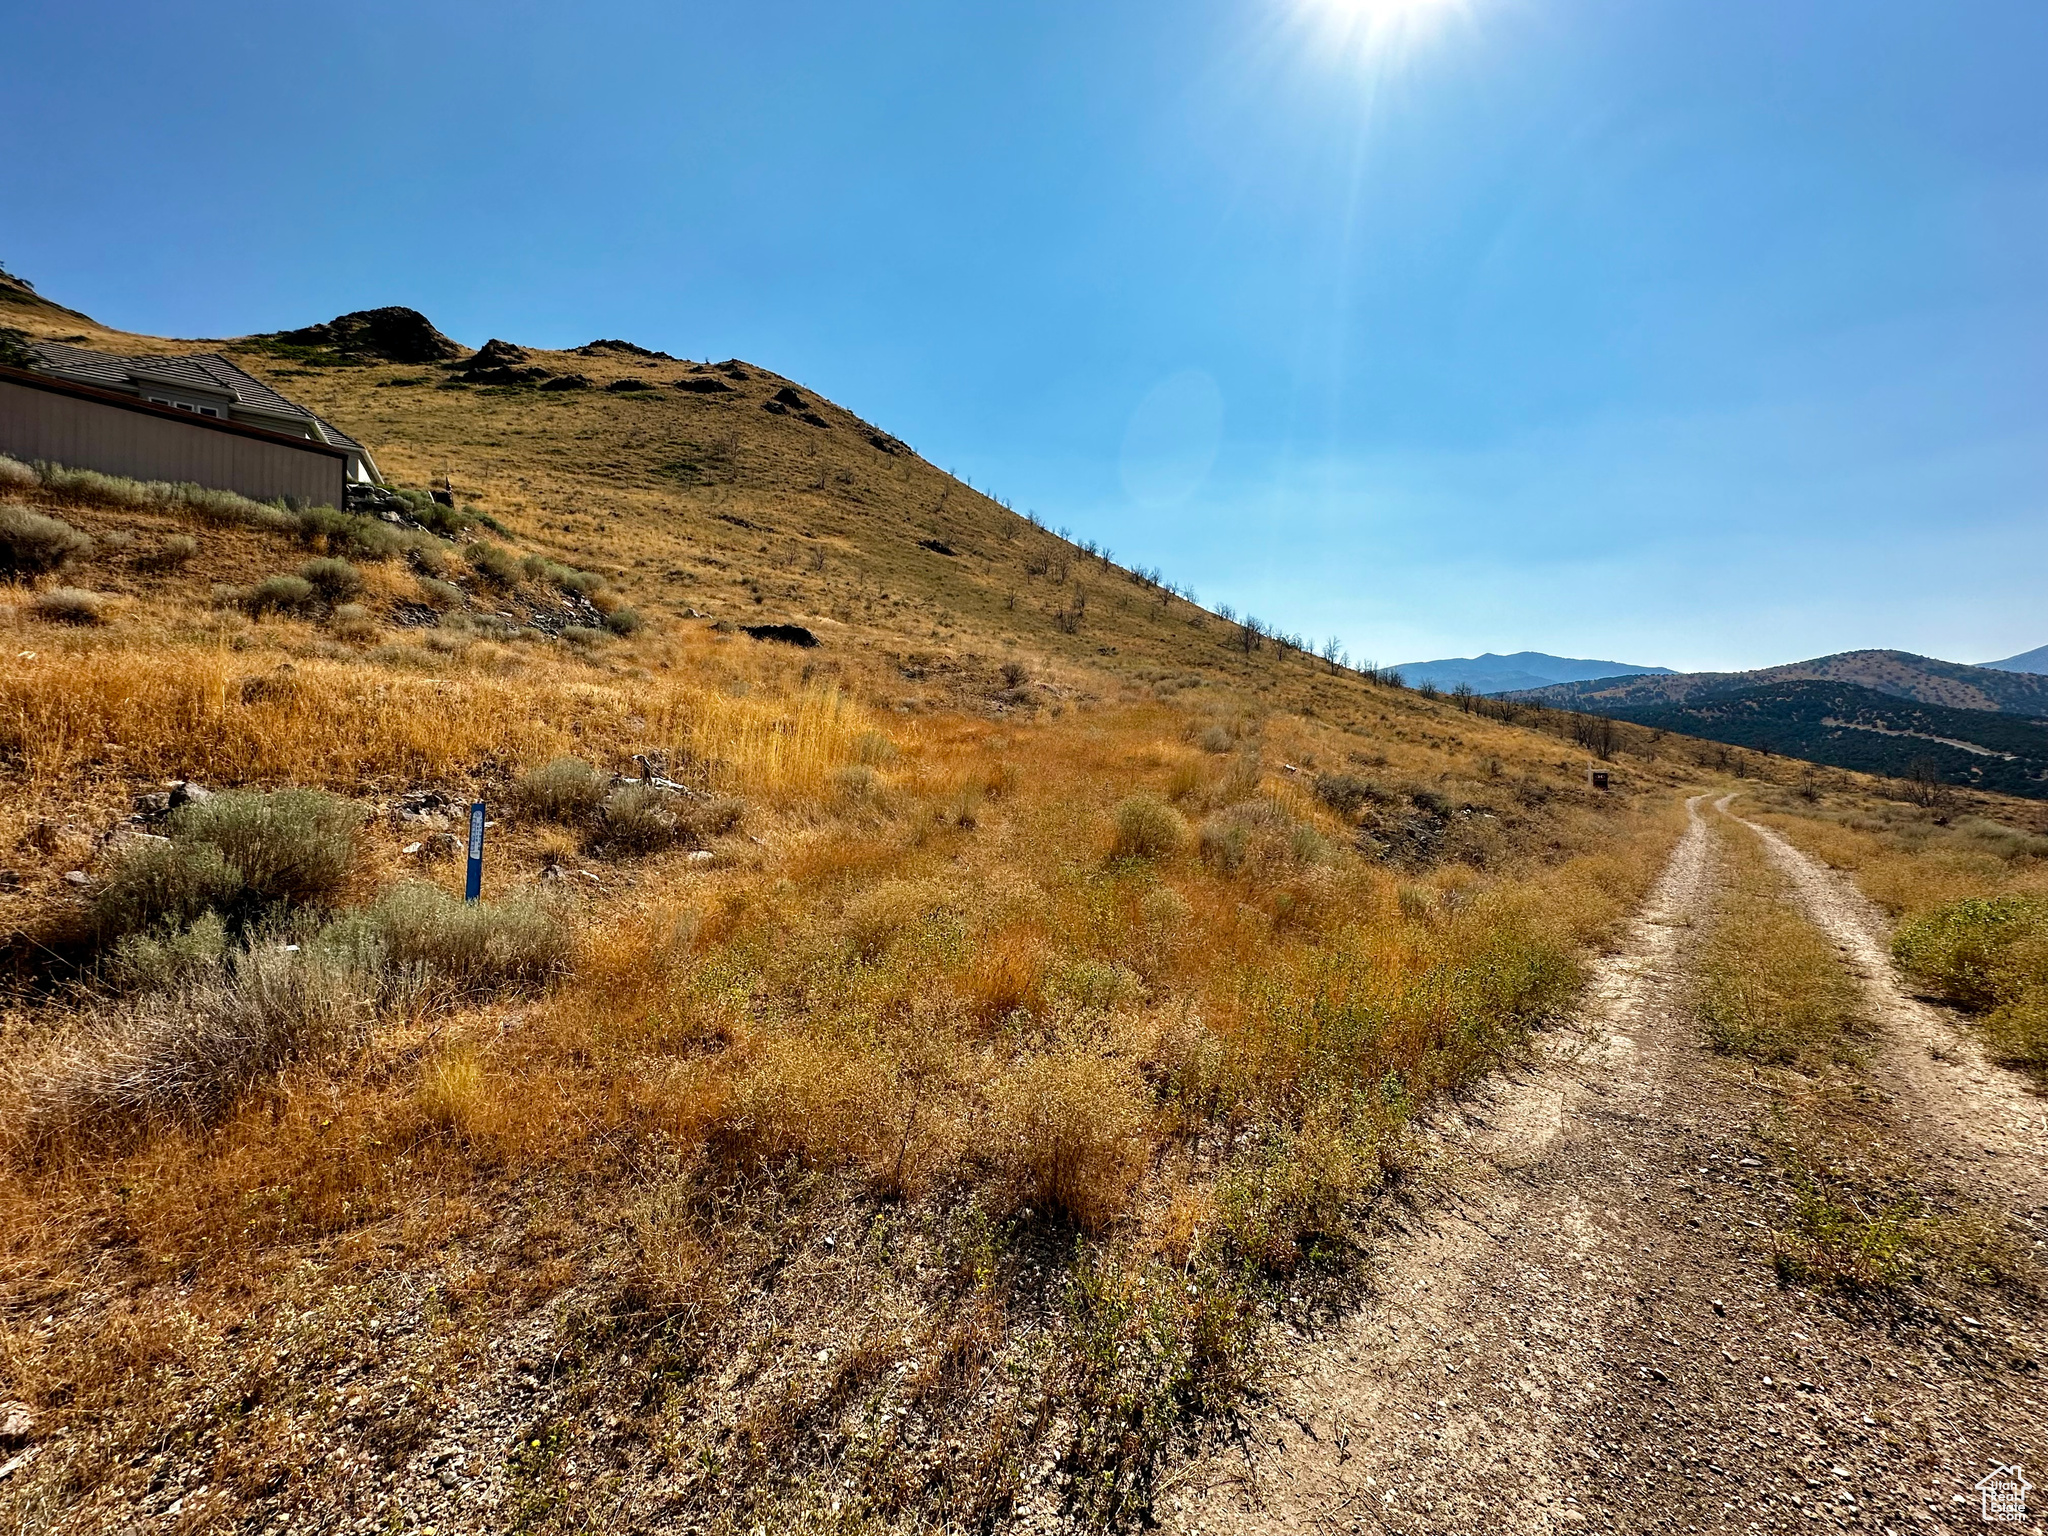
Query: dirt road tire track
x=1982, y=1121
x=1592, y=1336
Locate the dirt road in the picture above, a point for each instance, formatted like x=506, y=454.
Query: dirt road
x=1592, y=1336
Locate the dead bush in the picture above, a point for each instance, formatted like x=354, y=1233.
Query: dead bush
x=1069, y=1135
x=885, y=913
x=32, y=544
x=353, y=623
x=805, y=1100
x=1258, y=837
x=187, y=1054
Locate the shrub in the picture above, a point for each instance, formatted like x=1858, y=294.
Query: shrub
x=335, y=580
x=143, y=962
x=1215, y=739
x=69, y=605
x=278, y=594
x=496, y=564
x=622, y=621
x=1258, y=837
x=17, y=476
x=175, y=551
x=426, y=940
x=1968, y=949
x=566, y=789
x=352, y=621
x=164, y=886
x=1346, y=793
x=1070, y=1133
x=1147, y=829
x=187, y=1054
x=583, y=638
x=32, y=544
x=238, y=853
x=639, y=818
x=440, y=594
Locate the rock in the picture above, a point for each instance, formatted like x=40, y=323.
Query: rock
x=157, y=803
x=17, y=1426
x=789, y=397
x=624, y=386
x=394, y=333
x=567, y=381
x=411, y=848
x=699, y=856
x=185, y=792
x=607, y=344
x=75, y=877
x=10, y=879
x=444, y=845
x=704, y=384
x=782, y=634
x=531, y=374
x=499, y=354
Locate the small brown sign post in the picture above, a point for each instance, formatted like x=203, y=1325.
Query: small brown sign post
x=1597, y=777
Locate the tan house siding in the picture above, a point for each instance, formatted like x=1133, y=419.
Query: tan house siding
x=88, y=428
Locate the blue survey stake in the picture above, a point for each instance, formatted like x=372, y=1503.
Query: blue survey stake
x=475, y=885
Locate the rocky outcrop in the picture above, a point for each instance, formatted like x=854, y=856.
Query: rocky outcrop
x=393, y=334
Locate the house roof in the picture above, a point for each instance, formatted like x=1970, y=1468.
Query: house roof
x=201, y=372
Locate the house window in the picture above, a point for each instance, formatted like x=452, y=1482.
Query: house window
x=180, y=405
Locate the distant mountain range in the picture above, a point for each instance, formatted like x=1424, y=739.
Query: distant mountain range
x=1510, y=674
x=1847, y=726
x=1946, y=684
x=1873, y=711
x=2035, y=660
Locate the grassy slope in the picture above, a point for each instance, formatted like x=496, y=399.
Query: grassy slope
x=1075, y=1124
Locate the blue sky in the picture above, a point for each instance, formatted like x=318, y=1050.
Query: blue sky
x=1708, y=333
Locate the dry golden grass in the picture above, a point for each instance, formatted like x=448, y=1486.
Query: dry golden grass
x=1017, y=920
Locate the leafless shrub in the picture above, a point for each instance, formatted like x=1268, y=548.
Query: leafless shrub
x=187, y=1054
x=1071, y=1134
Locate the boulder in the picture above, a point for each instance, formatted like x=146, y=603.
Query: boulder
x=499, y=354
x=782, y=634
x=567, y=381
x=17, y=1426
x=393, y=334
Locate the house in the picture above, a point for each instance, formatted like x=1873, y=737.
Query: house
x=2004, y=1493
x=196, y=418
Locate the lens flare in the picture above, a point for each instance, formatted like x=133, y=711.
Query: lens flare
x=1373, y=28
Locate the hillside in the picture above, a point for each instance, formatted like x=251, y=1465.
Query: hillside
x=1945, y=684
x=1846, y=726
x=1523, y=670
x=946, y=1013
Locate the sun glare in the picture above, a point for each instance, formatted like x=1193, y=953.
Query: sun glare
x=1374, y=27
